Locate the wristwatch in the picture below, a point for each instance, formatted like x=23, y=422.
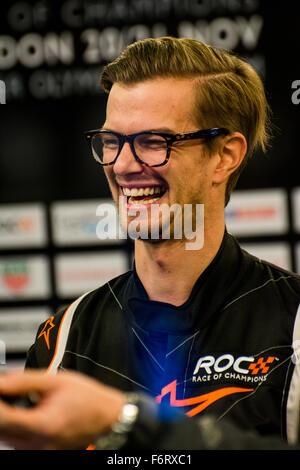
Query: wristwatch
x=137, y=423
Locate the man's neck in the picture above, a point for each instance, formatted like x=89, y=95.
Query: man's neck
x=168, y=271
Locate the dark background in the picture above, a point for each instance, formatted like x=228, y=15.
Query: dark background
x=43, y=155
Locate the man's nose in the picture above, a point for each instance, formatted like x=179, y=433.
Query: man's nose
x=126, y=162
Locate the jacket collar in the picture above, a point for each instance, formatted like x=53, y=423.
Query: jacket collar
x=213, y=290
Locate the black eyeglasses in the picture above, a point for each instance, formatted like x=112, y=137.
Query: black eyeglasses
x=149, y=148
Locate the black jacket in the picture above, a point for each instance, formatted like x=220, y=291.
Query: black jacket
x=227, y=351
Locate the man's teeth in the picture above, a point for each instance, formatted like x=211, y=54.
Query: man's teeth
x=142, y=191
x=142, y=201
x=149, y=191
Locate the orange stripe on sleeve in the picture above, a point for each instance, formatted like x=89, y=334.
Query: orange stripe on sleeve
x=57, y=338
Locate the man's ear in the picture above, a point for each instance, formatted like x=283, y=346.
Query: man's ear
x=231, y=152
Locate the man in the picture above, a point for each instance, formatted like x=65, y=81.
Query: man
x=208, y=330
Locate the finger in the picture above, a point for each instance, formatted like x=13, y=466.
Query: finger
x=23, y=424
x=20, y=383
x=21, y=429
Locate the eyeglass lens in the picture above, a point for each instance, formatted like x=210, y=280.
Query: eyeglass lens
x=151, y=149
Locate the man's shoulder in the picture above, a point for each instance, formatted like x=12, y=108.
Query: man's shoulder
x=89, y=306
x=108, y=296
x=276, y=276
x=110, y=287
x=108, y=292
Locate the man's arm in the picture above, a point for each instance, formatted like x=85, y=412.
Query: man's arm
x=74, y=411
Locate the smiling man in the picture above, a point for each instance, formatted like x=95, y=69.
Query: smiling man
x=164, y=107
x=208, y=330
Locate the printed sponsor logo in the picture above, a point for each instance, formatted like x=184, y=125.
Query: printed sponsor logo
x=295, y=198
x=254, y=212
x=18, y=326
x=276, y=253
x=243, y=368
x=75, y=222
x=22, y=225
x=15, y=276
x=76, y=273
x=246, y=370
x=200, y=402
x=46, y=331
x=24, y=277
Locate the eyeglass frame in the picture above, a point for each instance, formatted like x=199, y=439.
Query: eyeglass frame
x=170, y=139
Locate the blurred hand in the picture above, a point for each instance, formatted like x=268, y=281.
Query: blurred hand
x=73, y=410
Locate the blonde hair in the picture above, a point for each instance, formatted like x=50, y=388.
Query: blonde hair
x=229, y=92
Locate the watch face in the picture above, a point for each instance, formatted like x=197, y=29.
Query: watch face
x=128, y=417
x=118, y=435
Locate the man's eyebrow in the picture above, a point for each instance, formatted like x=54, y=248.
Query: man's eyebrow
x=166, y=130
x=163, y=130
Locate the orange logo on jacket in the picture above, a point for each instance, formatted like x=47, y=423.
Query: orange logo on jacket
x=261, y=365
x=202, y=401
x=46, y=331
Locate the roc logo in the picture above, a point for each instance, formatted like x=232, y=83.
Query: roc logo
x=226, y=366
x=245, y=371
x=261, y=365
